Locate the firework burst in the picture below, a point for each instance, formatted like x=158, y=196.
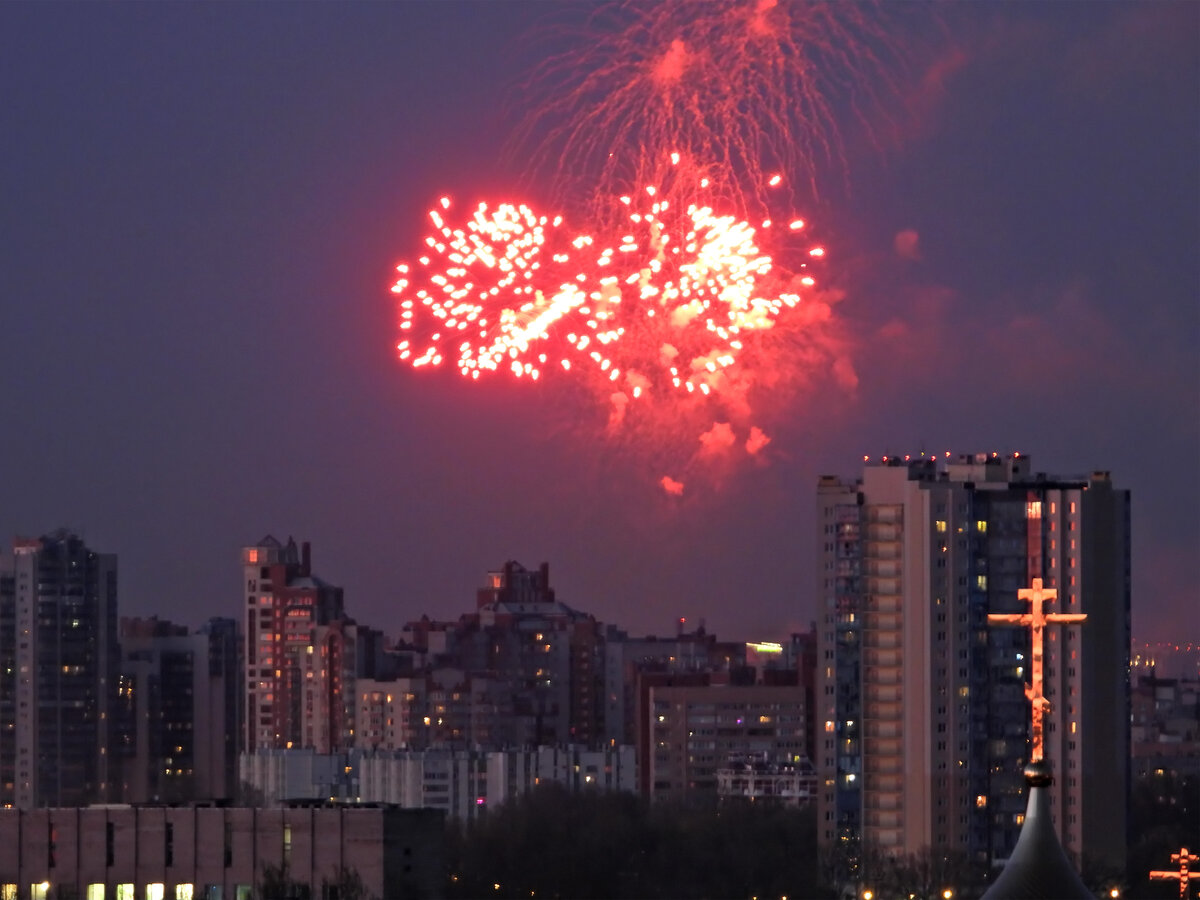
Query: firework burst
x=675, y=317
x=667, y=305
x=752, y=86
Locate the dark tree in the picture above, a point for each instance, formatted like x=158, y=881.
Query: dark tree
x=593, y=844
x=276, y=883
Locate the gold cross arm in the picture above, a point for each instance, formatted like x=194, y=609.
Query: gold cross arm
x=1182, y=874
x=1037, y=619
x=1011, y=618
x=1065, y=618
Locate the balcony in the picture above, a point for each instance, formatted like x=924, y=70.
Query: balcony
x=881, y=585
x=882, y=640
x=882, y=659
x=891, y=513
x=884, y=547
x=892, y=837
x=888, y=676
x=884, y=693
x=884, y=567
x=877, y=749
x=882, y=729
x=876, y=713
x=885, y=807
x=892, y=783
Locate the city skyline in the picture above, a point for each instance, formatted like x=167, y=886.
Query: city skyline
x=200, y=352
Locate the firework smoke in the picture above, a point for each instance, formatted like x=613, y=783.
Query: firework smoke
x=671, y=321
x=685, y=308
x=750, y=86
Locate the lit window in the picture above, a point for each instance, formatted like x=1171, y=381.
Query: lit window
x=981, y=526
x=155, y=892
x=1033, y=509
x=941, y=526
x=981, y=801
x=828, y=726
x=183, y=892
x=95, y=891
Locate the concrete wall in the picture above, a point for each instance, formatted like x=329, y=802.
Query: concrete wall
x=219, y=852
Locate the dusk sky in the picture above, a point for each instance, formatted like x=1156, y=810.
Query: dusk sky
x=204, y=205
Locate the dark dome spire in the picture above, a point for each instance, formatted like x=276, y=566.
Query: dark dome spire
x=1038, y=868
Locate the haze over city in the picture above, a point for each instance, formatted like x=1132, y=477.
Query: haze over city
x=206, y=205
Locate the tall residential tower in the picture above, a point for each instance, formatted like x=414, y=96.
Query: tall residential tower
x=921, y=714
x=58, y=672
x=284, y=603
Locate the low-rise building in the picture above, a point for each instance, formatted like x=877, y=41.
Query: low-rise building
x=217, y=853
x=694, y=730
x=460, y=783
x=760, y=779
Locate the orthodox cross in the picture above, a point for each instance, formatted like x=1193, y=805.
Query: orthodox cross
x=1183, y=876
x=1037, y=619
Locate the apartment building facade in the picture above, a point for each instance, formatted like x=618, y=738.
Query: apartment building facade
x=58, y=674
x=922, y=722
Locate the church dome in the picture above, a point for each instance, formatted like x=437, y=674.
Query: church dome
x=1038, y=868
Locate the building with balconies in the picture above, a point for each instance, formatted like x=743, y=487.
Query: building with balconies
x=922, y=722
x=284, y=603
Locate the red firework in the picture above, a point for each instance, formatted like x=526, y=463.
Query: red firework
x=752, y=86
x=668, y=305
x=676, y=310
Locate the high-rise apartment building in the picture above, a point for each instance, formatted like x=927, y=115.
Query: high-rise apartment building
x=696, y=731
x=58, y=671
x=341, y=652
x=284, y=603
x=522, y=669
x=627, y=659
x=922, y=722
x=178, y=711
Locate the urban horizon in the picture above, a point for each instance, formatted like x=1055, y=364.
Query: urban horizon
x=920, y=565
x=208, y=340
x=733, y=448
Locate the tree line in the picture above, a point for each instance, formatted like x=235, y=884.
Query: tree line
x=552, y=843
